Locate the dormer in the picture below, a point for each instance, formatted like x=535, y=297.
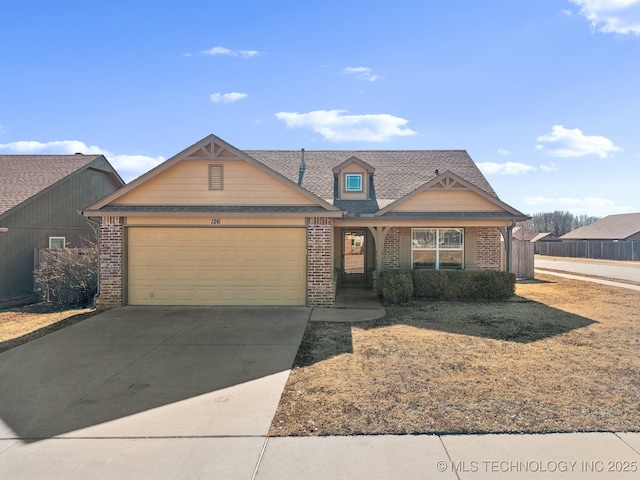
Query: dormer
x=353, y=179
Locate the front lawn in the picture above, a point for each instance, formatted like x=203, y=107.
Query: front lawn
x=22, y=324
x=566, y=357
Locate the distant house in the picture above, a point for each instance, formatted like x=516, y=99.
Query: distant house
x=623, y=227
x=216, y=225
x=41, y=199
x=524, y=233
x=544, y=237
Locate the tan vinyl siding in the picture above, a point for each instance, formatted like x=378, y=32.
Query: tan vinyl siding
x=405, y=248
x=447, y=201
x=207, y=266
x=187, y=183
x=223, y=221
x=470, y=249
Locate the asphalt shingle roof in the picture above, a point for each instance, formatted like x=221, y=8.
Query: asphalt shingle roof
x=613, y=227
x=23, y=176
x=397, y=172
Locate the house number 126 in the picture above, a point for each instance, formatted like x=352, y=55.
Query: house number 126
x=215, y=221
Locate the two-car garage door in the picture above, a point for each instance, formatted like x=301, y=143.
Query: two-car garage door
x=216, y=266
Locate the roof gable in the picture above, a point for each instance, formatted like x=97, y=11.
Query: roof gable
x=25, y=177
x=210, y=149
x=354, y=160
x=450, y=182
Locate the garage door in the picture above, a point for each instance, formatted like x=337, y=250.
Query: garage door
x=210, y=266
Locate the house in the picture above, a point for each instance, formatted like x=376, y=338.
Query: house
x=41, y=199
x=524, y=233
x=613, y=228
x=221, y=226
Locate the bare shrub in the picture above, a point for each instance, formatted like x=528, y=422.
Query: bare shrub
x=67, y=276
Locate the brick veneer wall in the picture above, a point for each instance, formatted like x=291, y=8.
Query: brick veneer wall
x=321, y=288
x=111, y=263
x=489, y=248
x=391, y=250
x=390, y=256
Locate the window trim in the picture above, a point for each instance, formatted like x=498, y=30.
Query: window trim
x=64, y=242
x=438, y=248
x=346, y=182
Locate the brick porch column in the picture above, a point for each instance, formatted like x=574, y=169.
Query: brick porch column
x=489, y=248
x=110, y=238
x=321, y=289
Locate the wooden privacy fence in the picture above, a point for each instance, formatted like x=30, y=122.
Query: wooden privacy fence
x=522, y=258
x=629, y=251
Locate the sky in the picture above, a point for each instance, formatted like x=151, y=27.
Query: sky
x=543, y=94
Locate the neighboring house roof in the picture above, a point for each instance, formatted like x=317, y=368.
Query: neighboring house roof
x=24, y=176
x=613, y=227
x=397, y=172
x=544, y=237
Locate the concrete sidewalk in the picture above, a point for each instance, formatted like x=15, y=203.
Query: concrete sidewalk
x=570, y=456
x=583, y=278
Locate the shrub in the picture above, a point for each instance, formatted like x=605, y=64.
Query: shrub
x=67, y=276
x=463, y=284
x=396, y=286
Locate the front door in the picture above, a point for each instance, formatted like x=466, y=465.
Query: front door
x=353, y=258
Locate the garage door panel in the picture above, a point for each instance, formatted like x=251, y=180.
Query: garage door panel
x=206, y=266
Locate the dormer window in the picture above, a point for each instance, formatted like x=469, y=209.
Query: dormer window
x=353, y=179
x=353, y=182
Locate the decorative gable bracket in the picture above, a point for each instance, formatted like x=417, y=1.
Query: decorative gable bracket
x=447, y=183
x=212, y=151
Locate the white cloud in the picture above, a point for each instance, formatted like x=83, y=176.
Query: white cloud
x=227, y=97
x=127, y=166
x=335, y=126
x=573, y=143
x=363, y=73
x=549, y=167
x=568, y=13
x=215, y=51
x=3, y=129
x=509, y=168
x=612, y=16
x=503, y=151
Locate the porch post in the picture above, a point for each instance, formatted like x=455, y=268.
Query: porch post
x=507, y=233
x=379, y=234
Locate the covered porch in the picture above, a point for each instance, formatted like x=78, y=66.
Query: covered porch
x=362, y=249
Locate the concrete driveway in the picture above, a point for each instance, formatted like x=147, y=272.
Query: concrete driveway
x=136, y=372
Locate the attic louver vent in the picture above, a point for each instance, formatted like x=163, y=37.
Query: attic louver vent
x=215, y=177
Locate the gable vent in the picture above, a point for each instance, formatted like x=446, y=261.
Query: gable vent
x=215, y=177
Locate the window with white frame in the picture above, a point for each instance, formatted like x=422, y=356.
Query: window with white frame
x=437, y=248
x=353, y=182
x=56, y=242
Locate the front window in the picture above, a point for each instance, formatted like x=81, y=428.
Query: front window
x=437, y=248
x=353, y=182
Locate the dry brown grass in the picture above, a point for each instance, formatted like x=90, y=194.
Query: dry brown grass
x=22, y=324
x=566, y=358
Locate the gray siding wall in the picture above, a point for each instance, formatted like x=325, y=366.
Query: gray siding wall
x=53, y=213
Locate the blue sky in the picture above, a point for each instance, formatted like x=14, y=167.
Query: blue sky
x=544, y=94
